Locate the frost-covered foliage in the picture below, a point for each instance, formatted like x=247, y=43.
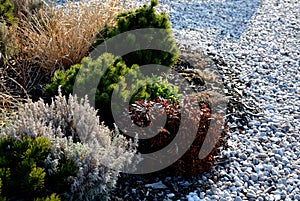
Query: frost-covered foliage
x=76, y=134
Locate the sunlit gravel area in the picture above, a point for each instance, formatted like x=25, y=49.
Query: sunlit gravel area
x=259, y=40
x=259, y=44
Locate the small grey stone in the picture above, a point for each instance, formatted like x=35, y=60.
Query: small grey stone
x=157, y=185
x=251, y=194
x=277, y=197
x=254, y=177
x=238, y=198
x=255, y=161
x=238, y=183
x=260, y=198
x=278, y=157
x=170, y=195
x=297, y=197
x=283, y=194
x=270, y=189
x=202, y=195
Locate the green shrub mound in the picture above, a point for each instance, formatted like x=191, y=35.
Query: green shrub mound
x=107, y=81
x=23, y=174
x=141, y=18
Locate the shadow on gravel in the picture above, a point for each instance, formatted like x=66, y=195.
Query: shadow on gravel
x=230, y=18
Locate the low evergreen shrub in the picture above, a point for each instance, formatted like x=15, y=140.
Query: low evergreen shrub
x=111, y=79
x=52, y=197
x=144, y=17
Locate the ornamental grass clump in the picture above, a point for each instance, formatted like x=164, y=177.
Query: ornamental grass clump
x=76, y=134
x=56, y=37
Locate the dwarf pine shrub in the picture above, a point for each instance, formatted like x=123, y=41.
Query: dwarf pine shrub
x=76, y=134
x=107, y=81
x=141, y=18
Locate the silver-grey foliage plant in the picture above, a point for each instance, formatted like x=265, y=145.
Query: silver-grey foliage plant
x=76, y=133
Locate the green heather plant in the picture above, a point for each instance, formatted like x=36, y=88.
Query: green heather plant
x=144, y=17
x=76, y=134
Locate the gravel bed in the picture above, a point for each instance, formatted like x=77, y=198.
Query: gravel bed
x=256, y=46
x=259, y=41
